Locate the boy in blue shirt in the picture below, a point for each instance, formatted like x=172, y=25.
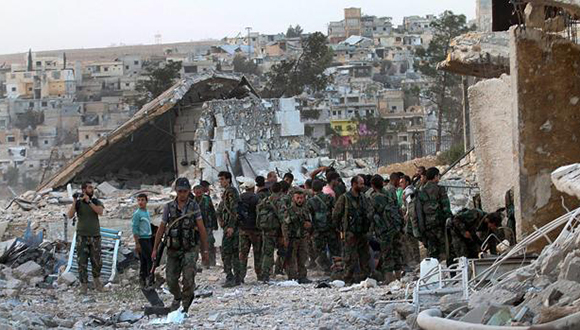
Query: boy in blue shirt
x=142, y=235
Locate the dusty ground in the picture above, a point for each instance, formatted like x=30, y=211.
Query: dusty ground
x=250, y=306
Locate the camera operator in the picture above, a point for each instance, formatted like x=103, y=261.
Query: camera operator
x=88, y=242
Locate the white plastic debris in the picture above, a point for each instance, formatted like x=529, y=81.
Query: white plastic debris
x=288, y=283
x=175, y=317
x=369, y=283
x=337, y=284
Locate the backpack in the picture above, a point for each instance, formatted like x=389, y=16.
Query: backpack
x=321, y=216
x=267, y=215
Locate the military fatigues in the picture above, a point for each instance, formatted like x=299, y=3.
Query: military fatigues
x=210, y=222
x=436, y=210
x=88, y=243
x=466, y=221
x=411, y=253
x=228, y=218
x=285, y=203
x=270, y=223
x=296, y=237
x=320, y=207
x=182, y=250
x=354, y=214
x=386, y=226
x=250, y=236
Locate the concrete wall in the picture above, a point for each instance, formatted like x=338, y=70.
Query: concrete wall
x=490, y=104
x=546, y=87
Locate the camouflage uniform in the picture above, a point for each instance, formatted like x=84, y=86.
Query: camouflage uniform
x=250, y=236
x=411, y=253
x=296, y=237
x=320, y=207
x=386, y=226
x=228, y=218
x=269, y=221
x=182, y=250
x=466, y=221
x=210, y=222
x=354, y=214
x=285, y=203
x=89, y=247
x=436, y=210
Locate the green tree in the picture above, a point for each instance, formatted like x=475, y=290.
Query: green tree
x=306, y=73
x=294, y=32
x=243, y=65
x=159, y=78
x=444, y=90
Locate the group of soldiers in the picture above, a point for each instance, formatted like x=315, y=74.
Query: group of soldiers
x=371, y=230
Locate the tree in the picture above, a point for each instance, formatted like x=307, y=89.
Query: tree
x=444, y=90
x=306, y=73
x=243, y=65
x=159, y=78
x=294, y=32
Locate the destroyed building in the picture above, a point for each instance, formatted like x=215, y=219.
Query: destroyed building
x=204, y=124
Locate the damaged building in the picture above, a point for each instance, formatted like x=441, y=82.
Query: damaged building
x=203, y=124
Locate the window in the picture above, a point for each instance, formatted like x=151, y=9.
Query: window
x=334, y=113
x=394, y=107
x=14, y=89
x=127, y=84
x=10, y=139
x=38, y=63
x=86, y=137
x=126, y=67
x=31, y=104
x=105, y=69
x=30, y=89
x=30, y=165
x=136, y=62
x=44, y=103
x=45, y=141
x=404, y=138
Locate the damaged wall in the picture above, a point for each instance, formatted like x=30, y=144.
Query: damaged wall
x=492, y=121
x=546, y=86
x=229, y=128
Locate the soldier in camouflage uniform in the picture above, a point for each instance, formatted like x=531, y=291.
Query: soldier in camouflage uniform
x=464, y=237
x=436, y=211
x=296, y=222
x=285, y=203
x=269, y=221
x=183, y=244
x=354, y=212
x=209, y=220
x=250, y=236
x=324, y=236
x=228, y=219
x=261, y=190
x=386, y=226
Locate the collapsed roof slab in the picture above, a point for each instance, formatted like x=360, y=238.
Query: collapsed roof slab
x=144, y=142
x=482, y=55
x=573, y=6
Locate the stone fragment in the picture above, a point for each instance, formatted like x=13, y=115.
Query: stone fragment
x=451, y=302
x=572, y=272
x=28, y=269
x=67, y=278
x=369, y=283
x=106, y=188
x=404, y=310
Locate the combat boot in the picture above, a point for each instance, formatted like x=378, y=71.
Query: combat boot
x=83, y=288
x=98, y=285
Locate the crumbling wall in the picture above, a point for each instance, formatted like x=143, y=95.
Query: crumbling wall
x=546, y=87
x=492, y=121
x=228, y=128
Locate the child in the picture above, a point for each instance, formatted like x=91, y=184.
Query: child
x=142, y=236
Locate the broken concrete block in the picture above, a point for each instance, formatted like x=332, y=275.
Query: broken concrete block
x=451, y=302
x=404, y=310
x=14, y=284
x=572, y=271
x=502, y=317
x=28, y=270
x=106, y=188
x=67, y=278
x=369, y=283
x=36, y=280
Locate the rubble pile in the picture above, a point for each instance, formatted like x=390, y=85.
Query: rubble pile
x=461, y=183
x=410, y=167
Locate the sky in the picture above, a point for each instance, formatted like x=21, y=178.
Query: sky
x=65, y=24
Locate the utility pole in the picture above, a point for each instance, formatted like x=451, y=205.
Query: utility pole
x=249, y=29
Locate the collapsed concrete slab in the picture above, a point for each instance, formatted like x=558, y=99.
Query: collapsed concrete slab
x=483, y=55
x=145, y=142
x=573, y=6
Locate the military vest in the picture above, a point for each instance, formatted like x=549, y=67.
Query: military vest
x=356, y=219
x=268, y=217
x=182, y=235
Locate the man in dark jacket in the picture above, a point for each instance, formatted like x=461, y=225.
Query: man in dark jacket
x=250, y=236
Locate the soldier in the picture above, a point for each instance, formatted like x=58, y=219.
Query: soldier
x=285, y=203
x=261, y=188
x=183, y=245
x=354, y=213
x=296, y=222
x=88, y=243
x=250, y=236
x=320, y=207
x=228, y=219
x=436, y=210
x=463, y=229
x=419, y=177
x=410, y=243
x=387, y=226
x=270, y=223
x=289, y=178
x=209, y=220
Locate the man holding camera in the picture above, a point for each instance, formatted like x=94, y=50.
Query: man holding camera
x=88, y=242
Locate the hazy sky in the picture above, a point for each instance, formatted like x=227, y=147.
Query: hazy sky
x=58, y=24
